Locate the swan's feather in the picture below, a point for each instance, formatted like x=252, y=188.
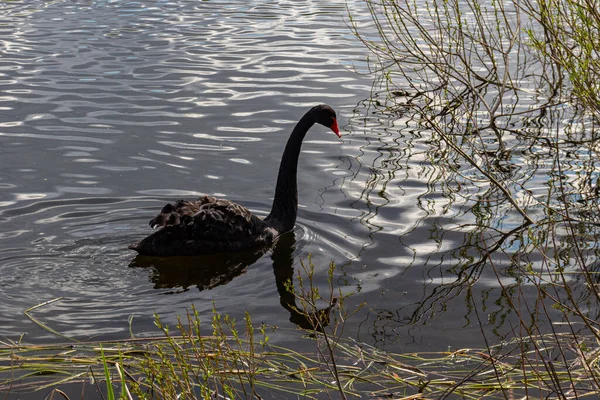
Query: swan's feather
x=208, y=225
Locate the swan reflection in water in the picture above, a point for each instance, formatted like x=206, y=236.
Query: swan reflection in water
x=209, y=271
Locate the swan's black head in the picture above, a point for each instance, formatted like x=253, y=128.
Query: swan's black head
x=324, y=115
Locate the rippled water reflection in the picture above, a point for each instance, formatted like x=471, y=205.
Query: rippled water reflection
x=109, y=109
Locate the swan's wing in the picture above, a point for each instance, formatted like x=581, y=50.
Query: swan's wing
x=172, y=214
x=223, y=220
x=210, y=218
x=205, y=226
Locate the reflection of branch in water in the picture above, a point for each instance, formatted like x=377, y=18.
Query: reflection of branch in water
x=437, y=296
x=380, y=158
x=465, y=276
x=210, y=271
x=549, y=166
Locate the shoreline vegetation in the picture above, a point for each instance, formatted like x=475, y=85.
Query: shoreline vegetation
x=489, y=82
x=191, y=362
x=222, y=358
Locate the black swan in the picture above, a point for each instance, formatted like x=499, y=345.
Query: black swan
x=210, y=225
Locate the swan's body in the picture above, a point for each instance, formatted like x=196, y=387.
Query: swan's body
x=206, y=226
x=211, y=225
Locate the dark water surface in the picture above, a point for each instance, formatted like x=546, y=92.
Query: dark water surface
x=109, y=109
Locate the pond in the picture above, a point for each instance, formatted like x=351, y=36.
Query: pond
x=110, y=109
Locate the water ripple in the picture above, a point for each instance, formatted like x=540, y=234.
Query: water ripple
x=109, y=109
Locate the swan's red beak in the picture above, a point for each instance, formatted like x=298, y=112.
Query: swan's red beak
x=335, y=129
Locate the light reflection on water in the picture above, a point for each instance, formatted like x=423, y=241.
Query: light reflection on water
x=111, y=109
x=132, y=105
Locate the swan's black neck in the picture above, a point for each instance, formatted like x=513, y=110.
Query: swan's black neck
x=285, y=204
